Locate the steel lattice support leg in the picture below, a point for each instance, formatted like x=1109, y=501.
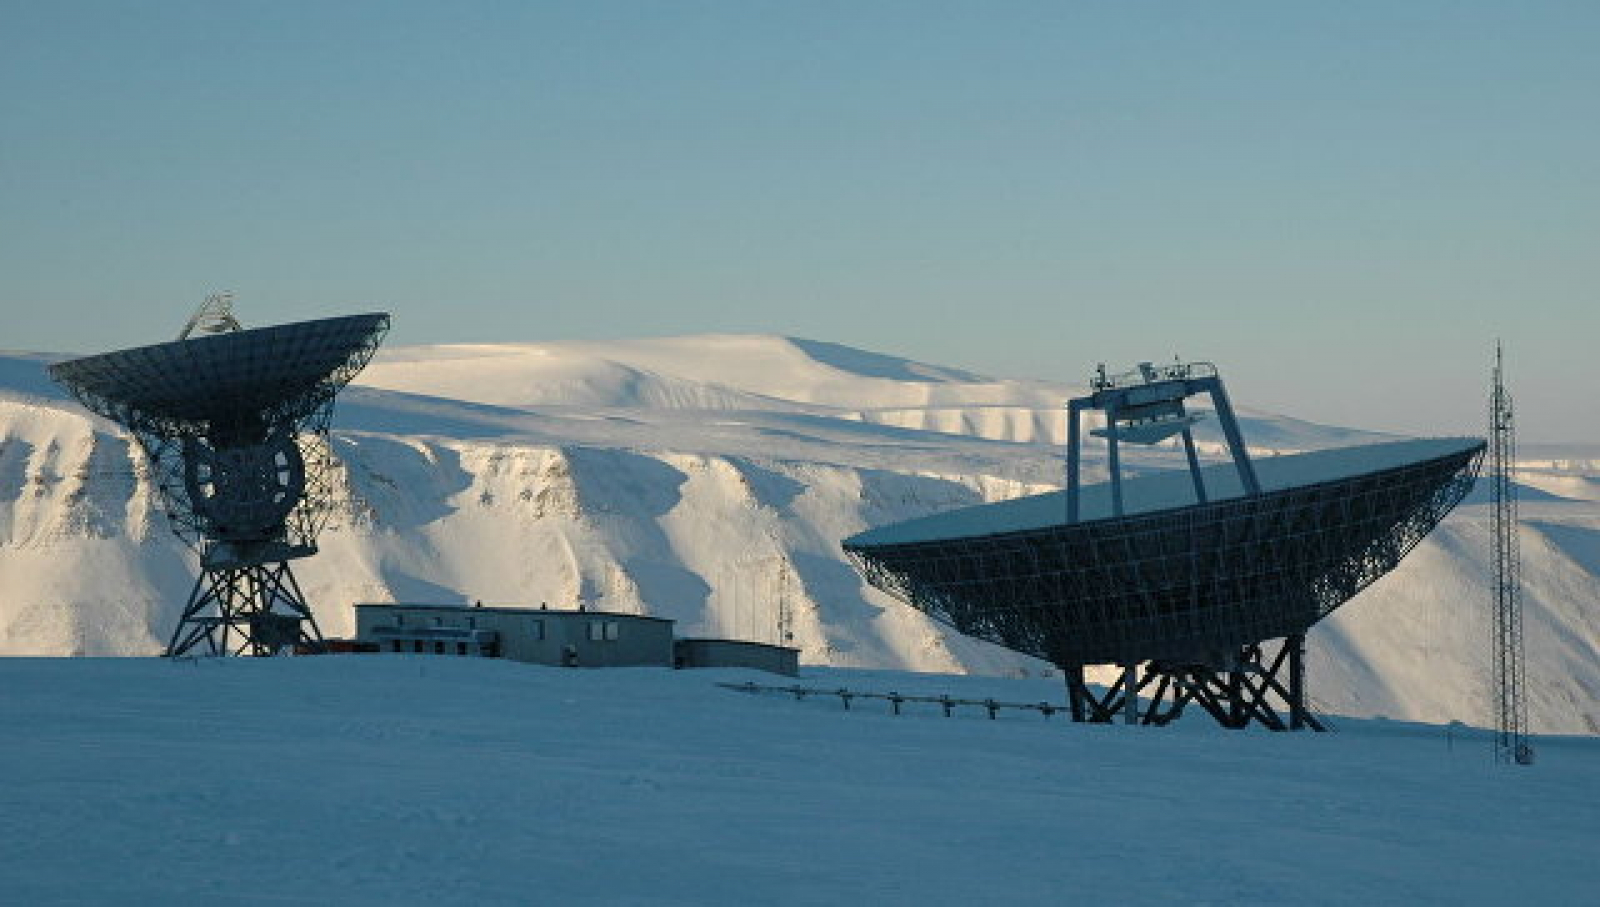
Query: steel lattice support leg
x=1130, y=701
x=1077, y=693
x=261, y=603
x=1087, y=707
x=1298, y=713
x=1253, y=689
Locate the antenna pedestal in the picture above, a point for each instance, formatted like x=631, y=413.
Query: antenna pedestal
x=1249, y=688
x=255, y=609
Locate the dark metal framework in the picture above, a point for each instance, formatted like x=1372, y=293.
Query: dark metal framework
x=235, y=425
x=261, y=604
x=1251, y=687
x=1193, y=589
x=1511, y=744
x=1146, y=406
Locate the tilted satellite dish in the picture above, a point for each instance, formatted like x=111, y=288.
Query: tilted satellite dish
x=1187, y=574
x=235, y=424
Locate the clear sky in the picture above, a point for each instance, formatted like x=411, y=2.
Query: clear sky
x=1343, y=204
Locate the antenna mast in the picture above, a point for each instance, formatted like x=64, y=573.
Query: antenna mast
x=1510, y=674
x=785, y=612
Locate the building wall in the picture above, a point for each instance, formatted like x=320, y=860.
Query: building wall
x=734, y=653
x=572, y=638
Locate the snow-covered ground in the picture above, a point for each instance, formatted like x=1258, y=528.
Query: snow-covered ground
x=709, y=479
x=413, y=779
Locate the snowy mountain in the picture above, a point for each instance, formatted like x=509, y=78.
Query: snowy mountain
x=709, y=479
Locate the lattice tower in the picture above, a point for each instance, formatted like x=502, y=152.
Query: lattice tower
x=1510, y=672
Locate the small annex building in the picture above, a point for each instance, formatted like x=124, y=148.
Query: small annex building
x=735, y=653
x=559, y=638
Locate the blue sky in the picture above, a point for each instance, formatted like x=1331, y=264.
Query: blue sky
x=1341, y=204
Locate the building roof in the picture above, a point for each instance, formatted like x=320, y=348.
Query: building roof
x=496, y=609
x=723, y=641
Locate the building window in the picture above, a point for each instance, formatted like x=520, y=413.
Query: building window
x=537, y=630
x=612, y=630
x=603, y=630
x=417, y=646
x=461, y=648
x=438, y=621
x=397, y=645
x=438, y=648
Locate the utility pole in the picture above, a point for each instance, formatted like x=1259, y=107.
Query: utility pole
x=1511, y=744
x=785, y=613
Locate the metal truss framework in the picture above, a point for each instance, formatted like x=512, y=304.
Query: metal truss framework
x=1152, y=400
x=208, y=412
x=1251, y=689
x=1195, y=586
x=260, y=604
x=1510, y=675
x=303, y=524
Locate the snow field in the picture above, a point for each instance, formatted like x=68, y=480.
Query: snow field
x=397, y=778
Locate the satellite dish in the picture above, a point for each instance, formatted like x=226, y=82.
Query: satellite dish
x=234, y=422
x=1186, y=576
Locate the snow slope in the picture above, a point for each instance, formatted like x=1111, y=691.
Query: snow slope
x=710, y=479
x=389, y=779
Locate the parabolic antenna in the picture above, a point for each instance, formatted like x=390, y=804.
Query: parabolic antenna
x=235, y=423
x=1188, y=574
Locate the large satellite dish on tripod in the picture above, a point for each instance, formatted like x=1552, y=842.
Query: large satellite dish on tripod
x=235, y=424
x=1187, y=573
